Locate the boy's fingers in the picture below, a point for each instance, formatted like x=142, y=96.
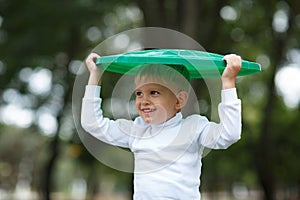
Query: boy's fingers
x=232, y=57
x=94, y=56
x=91, y=59
x=233, y=60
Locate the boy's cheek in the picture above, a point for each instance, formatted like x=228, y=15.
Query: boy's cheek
x=137, y=103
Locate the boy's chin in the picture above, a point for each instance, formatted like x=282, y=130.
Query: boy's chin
x=154, y=118
x=152, y=121
x=148, y=120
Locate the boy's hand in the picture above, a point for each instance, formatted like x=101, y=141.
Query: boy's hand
x=95, y=74
x=234, y=64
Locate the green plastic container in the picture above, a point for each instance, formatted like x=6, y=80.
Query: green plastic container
x=200, y=64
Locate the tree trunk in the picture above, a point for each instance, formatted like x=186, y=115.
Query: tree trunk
x=265, y=151
x=154, y=14
x=54, y=144
x=189, y=15
x=265, y=156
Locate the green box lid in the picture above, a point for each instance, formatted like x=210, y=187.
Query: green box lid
x=200, y=64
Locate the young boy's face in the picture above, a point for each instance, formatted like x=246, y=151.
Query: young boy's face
x=155, y=103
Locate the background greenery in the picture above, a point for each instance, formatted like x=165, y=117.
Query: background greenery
x=43, y=43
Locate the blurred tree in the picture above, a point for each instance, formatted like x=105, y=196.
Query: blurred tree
x=280, y=38
x=197, y=19
x=235, y=26
x=51, y=34
x=55, y=35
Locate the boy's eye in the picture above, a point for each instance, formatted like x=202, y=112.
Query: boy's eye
x=154, y=92
x=138, y=94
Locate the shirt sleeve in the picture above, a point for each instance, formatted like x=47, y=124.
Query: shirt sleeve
x=228, y=131
x=92, y=120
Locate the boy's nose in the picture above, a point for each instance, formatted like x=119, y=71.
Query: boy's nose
x=145, y=100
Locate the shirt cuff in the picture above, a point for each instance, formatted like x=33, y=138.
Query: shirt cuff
x=92, y=91
x=229, y=95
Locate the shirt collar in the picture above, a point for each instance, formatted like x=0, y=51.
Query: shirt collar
x=171, y=122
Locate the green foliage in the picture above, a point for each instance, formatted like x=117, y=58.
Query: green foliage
x=37, y=35
x=51, y=34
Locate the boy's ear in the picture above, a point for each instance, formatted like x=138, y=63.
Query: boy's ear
x=182, y=98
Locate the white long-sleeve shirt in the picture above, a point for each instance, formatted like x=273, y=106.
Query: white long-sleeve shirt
x=167, y=157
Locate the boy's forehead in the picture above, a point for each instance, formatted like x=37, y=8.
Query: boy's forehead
x=150, y=85
x=154, y=82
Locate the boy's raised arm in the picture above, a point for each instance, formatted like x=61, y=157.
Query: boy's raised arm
x=95, y=74
x=234, y=63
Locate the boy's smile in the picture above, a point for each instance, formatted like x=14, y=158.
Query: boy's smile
x=155, y=103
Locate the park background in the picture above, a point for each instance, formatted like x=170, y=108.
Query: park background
x=43, y=44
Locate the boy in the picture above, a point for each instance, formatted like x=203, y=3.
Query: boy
x=167, y=148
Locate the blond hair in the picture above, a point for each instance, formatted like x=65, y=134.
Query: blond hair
x=175, y=77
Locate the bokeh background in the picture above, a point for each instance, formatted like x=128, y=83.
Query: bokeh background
x=43, y=44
